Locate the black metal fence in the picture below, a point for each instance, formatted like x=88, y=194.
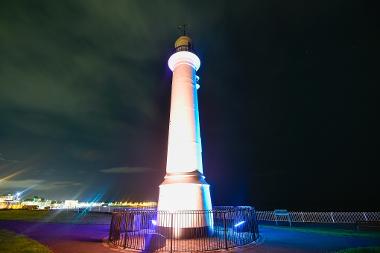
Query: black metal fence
x=319, y=217
x=184, y=231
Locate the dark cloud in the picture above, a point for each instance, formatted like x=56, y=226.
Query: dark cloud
x=287, y=98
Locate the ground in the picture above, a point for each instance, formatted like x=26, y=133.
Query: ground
x=13, y=243
x=283, y=239
x=63, y=238
x=361, y=250
x=60, y=216
x=92, y=228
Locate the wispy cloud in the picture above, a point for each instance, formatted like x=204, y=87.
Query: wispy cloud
x=125, y=170
x=4, y=179
x=2, y=158
x=37, y=184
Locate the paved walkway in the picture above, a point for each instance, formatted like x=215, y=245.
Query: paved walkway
x=280, y=239
x=84, y=238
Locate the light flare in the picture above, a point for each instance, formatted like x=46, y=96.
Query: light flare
x=6, y=178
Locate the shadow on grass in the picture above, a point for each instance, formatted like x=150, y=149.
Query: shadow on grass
x=14, y=243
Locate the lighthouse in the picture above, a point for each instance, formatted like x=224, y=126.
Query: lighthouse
x=184, y=188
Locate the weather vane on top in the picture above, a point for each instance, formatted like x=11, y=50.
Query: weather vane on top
x=182, y=28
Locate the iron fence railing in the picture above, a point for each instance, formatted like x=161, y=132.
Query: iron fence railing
x=319, y=217
x=270, y=216
x=184, y=231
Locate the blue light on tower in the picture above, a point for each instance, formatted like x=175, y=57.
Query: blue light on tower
x=239, y=224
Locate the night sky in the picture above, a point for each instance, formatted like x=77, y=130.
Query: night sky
x=288, y=100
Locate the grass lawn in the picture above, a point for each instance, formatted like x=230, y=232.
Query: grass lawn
x=23, y=214
x=361, y=250
x=56, y=216
x=14, y=243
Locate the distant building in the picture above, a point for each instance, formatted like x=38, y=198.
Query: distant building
x=36, y=204
x=10, y=201
x=7, y=198
x=71, y=204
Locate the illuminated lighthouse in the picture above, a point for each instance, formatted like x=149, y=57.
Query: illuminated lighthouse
x=184, y=187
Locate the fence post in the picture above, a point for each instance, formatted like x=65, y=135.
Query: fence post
x=332, y=217
x=111, y=228
x=365, y=216
x=171, y=232
x=257, y=232
x=225, y=230
x=275, y=217
x=124, y=218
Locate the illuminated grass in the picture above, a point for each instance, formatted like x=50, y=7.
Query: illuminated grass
x=23, y=214
x=14, y=243
x=330, y=231
x=55, y=216
x=361, y=250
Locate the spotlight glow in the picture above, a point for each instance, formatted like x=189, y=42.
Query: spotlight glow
x=154, y=222
x=239, y=223
x=184, y=196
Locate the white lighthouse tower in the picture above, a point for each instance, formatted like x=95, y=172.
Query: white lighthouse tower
x=184, y=187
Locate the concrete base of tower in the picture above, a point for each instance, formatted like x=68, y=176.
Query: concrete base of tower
x=184, y=192
x=184, y=205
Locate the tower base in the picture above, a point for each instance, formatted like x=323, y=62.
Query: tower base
x=185, y=233
x=184, y=204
